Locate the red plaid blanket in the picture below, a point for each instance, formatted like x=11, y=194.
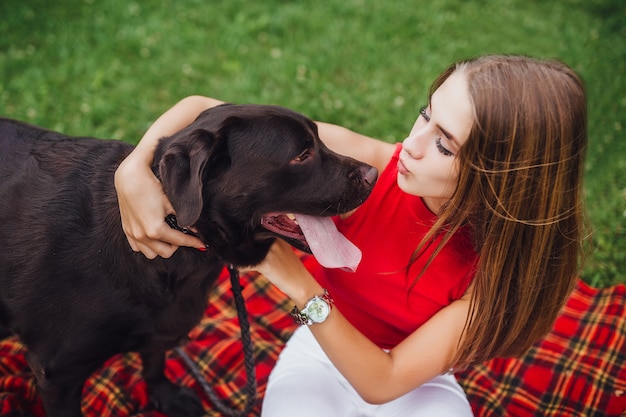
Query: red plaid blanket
x=579, y=369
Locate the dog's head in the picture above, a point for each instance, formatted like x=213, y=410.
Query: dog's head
x=237, y=171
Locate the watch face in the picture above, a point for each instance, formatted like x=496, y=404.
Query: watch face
x=317, y=310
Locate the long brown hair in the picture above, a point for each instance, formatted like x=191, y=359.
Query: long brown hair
x=520, y=193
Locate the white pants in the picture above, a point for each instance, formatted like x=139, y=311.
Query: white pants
x=305, y=383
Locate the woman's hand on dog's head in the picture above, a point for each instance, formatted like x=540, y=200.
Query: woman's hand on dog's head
x=143, y=208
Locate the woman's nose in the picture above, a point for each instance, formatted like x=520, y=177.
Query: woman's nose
x=413, y=145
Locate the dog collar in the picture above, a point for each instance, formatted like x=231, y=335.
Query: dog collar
x=171, y=221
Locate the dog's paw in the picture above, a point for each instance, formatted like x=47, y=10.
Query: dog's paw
x=175, y=401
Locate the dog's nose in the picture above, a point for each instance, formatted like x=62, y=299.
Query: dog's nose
x=371, y=176
x=365, y=173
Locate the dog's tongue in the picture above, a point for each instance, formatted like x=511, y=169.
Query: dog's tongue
x=329, y=246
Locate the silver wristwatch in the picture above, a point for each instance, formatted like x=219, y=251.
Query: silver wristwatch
x=316, y=310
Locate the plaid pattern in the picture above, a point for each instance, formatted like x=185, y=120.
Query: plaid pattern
x=577, y=370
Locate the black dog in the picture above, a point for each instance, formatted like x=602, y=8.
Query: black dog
x=75, y=292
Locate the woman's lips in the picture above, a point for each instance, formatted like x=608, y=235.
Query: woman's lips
x=402, y=168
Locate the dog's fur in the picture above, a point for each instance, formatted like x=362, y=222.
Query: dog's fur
x=75, y=292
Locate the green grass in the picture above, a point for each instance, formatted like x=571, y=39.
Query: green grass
x=108, y=68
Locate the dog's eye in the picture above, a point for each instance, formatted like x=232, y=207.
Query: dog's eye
x=303, y=156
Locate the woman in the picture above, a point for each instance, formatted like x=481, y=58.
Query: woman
x=471, y=243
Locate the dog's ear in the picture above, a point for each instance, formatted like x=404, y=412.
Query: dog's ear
x=182, y=169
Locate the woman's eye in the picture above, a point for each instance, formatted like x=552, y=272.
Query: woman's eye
x=424, y=114
x=442, y=149
x=303, y=156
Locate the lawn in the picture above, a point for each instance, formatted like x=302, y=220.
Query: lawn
x=108, y=68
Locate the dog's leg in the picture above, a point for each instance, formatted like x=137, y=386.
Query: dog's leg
x=167, y=397
x=60, y=389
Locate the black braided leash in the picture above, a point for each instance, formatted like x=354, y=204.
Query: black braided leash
x=248, y=349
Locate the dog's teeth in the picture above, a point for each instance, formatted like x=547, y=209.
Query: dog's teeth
x=291, y=216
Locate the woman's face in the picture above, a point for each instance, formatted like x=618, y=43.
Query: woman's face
x=427, y=166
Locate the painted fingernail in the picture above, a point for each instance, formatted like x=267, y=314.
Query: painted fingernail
x=202, y=249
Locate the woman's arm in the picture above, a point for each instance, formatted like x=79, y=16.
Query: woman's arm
x=360, y=147
x=376, y=375
x=143, y=204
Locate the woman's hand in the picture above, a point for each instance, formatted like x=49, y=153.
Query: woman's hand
x=143, y=208
x=283, y=268
x=143, y=204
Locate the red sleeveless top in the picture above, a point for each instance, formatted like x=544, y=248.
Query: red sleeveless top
x=377, y=298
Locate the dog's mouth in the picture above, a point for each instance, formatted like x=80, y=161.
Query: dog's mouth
x=316, y=235
x=286, y=226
